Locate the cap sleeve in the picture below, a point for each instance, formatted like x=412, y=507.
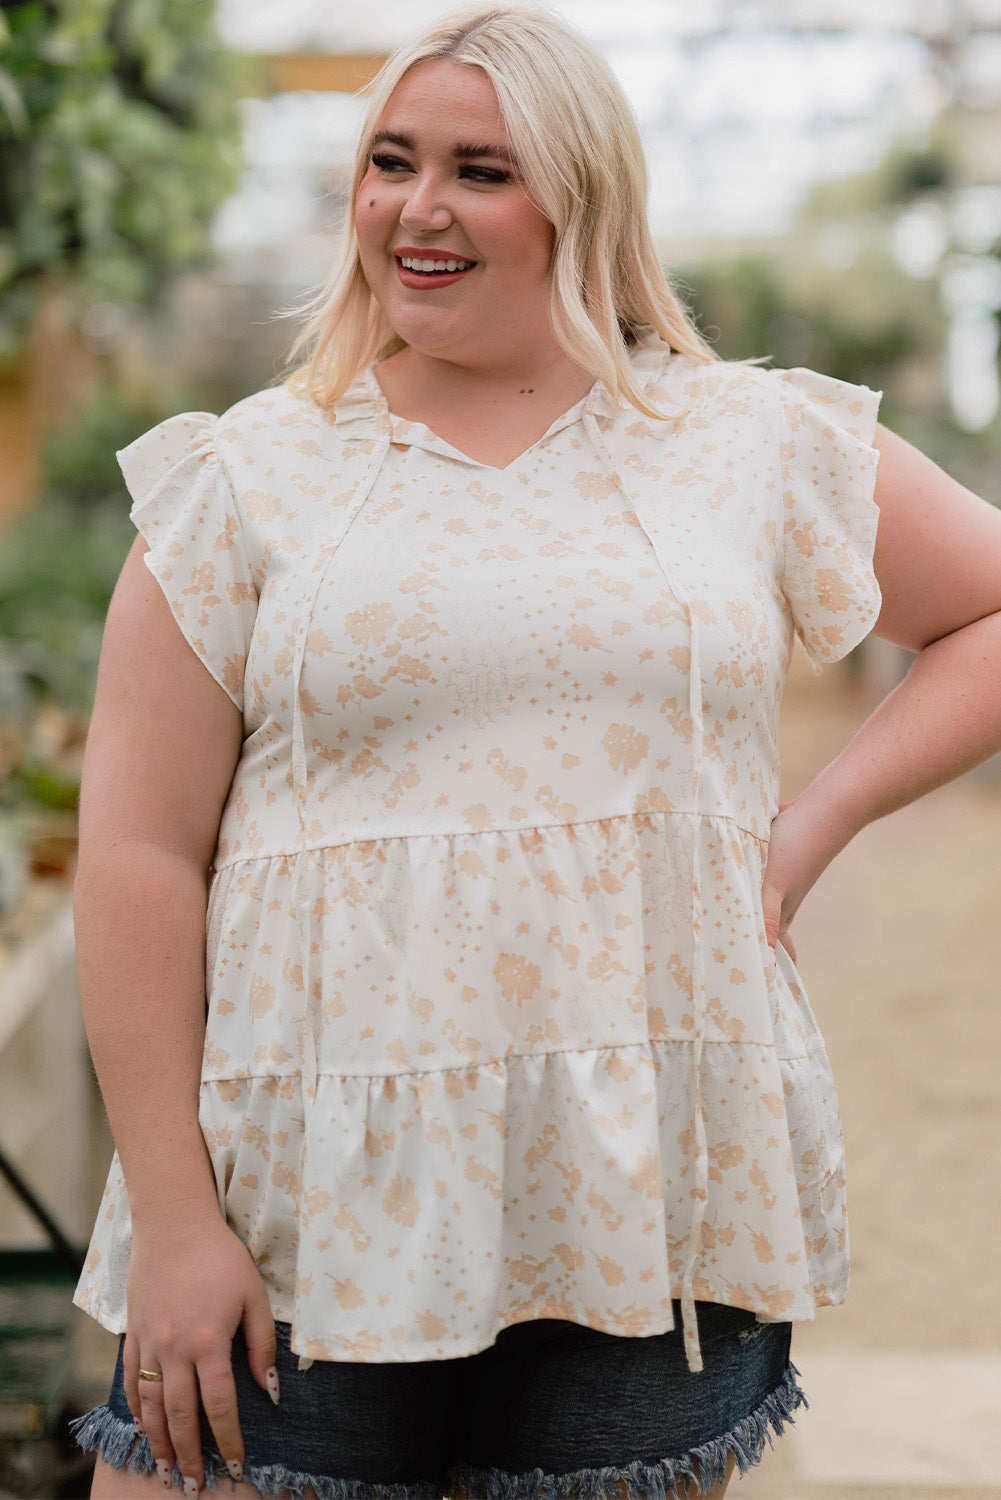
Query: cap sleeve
x=830, y=516
x=184, y=508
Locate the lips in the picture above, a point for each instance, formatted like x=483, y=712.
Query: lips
x=426, y=264
x=431, y=268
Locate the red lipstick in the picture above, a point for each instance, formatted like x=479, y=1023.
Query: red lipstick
x=437, y=263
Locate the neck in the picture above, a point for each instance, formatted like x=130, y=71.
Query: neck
x=492, y=415
x=412, y=379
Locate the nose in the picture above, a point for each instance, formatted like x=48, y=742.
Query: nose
x=426, y=206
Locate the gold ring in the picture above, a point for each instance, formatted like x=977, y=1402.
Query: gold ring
x=150, y=1375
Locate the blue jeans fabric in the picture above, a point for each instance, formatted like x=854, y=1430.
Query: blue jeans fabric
x=551, y=1410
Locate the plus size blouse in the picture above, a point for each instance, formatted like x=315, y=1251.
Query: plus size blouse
x=493, y=1030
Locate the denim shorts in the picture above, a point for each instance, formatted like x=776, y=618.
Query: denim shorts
x=551, y=1410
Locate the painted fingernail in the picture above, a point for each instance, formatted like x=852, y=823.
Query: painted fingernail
x=190, y=1485
x=272, y=1378
x=163, y=1469
x=234, y=1469
x=140, y=1429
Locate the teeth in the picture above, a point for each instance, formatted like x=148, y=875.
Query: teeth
x=410, y=263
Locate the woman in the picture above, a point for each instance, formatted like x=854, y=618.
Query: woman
x=515, y=1130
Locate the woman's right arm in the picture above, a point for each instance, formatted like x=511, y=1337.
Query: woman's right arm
x=162, y=748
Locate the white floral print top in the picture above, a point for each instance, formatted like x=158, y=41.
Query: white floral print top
x=493, y=1030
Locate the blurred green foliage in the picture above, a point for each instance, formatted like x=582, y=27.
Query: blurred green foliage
x=58, y=567
x=57, y=570
x=79, y=463
x=118, y=139
x=60, y=560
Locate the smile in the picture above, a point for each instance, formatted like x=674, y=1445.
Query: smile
x=429, y=267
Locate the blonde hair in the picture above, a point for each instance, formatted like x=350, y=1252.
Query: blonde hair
x=579, y=150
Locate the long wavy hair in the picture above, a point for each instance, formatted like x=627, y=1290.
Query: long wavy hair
x=579, y=151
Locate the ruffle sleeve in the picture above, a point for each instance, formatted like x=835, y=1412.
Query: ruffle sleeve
x=185, y=510
x=830, y=516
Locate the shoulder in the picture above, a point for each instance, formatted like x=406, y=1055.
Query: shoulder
x=794, y=396
x=677, y=382
x=282, y=436
x=273, y=420
x=714, y=401
x=730, y=382
x=749, y=396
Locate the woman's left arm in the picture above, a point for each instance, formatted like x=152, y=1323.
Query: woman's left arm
x=938, y=561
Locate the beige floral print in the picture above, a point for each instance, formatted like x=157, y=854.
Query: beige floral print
x=493, y=1029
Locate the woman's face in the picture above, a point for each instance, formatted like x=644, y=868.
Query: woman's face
x=453, y=247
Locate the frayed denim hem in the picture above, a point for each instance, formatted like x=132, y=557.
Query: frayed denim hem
x=119, y=1445
x=656, y=1481
x=117, y=1442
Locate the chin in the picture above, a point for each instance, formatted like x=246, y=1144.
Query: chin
x=426, y=336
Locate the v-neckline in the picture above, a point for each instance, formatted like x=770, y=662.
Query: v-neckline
x=406, y=430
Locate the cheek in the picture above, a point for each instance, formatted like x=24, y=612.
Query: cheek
x=534, y=236
x=362, y=216
x=370, y=214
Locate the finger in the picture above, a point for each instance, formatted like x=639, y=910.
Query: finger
x=771, y=911
x=180, y=1407
x=259, y=1333
x=130, y=1371
x=153, y=1421
x=788, y=945
x=218, y=1393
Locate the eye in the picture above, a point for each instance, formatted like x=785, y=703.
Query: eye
x=390, y=164
x=483, y=174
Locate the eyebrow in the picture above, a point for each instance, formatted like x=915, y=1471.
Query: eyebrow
x=461, y=152
x=503, y=153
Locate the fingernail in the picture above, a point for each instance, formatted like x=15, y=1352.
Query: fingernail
x=272, y=1378
x=140, y=1429
x=234, y=1469
x=163, y=1469
x=190, y=1485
